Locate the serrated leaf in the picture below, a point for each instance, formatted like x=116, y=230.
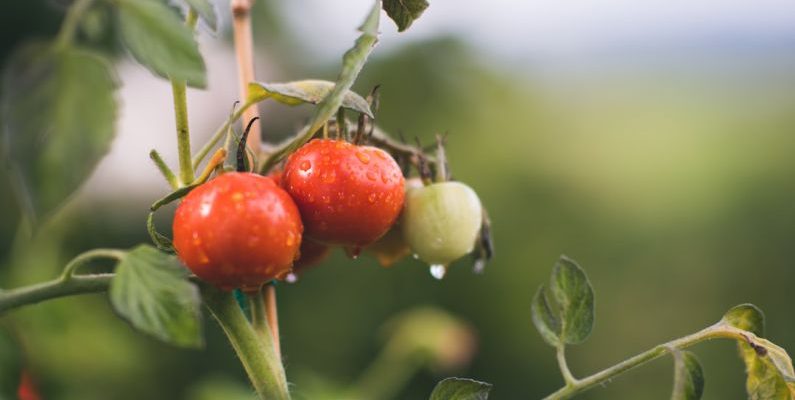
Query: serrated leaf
x=747, y=317
x=206, y=11
x=158, y=39
x=573, y=294
x=151, y=291
x=460, y=389
x=307, y=91
x=546, y=323
x=688, y=376
x=404, y=12
x=58, y=107
x=352, y=63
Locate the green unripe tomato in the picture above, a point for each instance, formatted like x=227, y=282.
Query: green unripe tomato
x=441, y=221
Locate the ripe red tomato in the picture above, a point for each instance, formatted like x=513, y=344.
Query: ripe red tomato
x=238, y=230
x=348, y=195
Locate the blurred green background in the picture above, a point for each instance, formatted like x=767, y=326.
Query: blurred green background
x=667, y=172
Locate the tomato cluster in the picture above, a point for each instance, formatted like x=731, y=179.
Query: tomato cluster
x=240, y=230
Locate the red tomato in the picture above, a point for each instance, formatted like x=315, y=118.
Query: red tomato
x=348, y=195
x=238, y=230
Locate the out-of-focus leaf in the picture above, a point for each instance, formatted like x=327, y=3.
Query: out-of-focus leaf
x=460, y=389
x=571, y=290
x=159, y=40
x=404, y=12
x=206, y=11
x=747, y=317
x=352, y=63
x=688, y=377
x=307, y=91
x=151, y=291
x=546, y=323
x=58, y=108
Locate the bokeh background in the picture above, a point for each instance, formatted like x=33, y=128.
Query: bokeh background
x=651, y=141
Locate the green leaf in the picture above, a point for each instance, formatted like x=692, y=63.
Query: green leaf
x=307, y=91
x=768, y=368
x=460, y=389
x=159, y=40
x=152, y=292
x=206, y=11
x=571, y=290
x=404, y=12
x=747, y=317
x=688, y=376
x=352, y=63
x=58, y=107
x=546, y=323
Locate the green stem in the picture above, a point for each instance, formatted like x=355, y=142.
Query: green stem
x=164, y=169
x=259, y=320
x=66, y=284
x=564, y=367
x=719, y=330
x=179, y=88
x=53, y=289
x=70, y=23
x=264, y=369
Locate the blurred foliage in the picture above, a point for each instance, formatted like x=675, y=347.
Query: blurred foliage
x=673, y=186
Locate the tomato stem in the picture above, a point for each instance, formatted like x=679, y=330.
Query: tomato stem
x=721, y=330
x=259, y=359
x=178, y=90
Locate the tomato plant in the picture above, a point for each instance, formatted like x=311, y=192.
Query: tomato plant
x=334, y=182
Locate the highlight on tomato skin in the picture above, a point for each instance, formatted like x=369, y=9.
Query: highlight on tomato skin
x=238, y=230
x=441, y=221
x=348, y=195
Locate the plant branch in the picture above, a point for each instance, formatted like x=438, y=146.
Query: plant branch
x=65, y=285
x=56, y=288
x=719, y=330
x=272, y=315
x=178, y=89
x=70, y=23
x=216, y=137
x=258, y=357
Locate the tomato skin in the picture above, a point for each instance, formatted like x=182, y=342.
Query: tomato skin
x=238, y=230
x=348, y=195
x=392, y=247
x=441, y=221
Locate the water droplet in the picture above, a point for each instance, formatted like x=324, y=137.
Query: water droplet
x=364, y=158
x=237, y=196
x=384, y=178
x=305, y=165
x=328, y=177
x=326, y=199
x=371, y=198
x=381, y=155
x=291, y=278
x=438, y=271
x=371, y=175
x=480, y=266
x=415, y=256
x=290, y=239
